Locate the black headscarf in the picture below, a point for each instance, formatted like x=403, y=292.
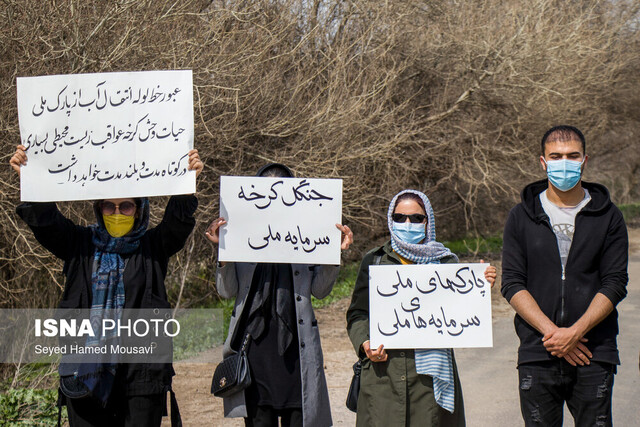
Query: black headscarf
x=282, y=170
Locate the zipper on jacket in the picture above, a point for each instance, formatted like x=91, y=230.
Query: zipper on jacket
x=564, y=267
x=562, y=305
x=562, y=289
x=547, y=221
x=545, y=218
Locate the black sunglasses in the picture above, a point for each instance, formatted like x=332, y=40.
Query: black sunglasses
x=413, y=218
x=125, y=208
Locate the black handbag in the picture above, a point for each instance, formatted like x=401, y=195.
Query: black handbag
x=72, y=387
x=354, y=388
x=232, y=374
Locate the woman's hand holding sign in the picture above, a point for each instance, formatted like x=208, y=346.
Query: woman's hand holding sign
x=347, y=236
x=19, y=159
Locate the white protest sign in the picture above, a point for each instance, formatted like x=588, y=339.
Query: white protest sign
x=429, y=306
x=280, y=220
x=106, y=135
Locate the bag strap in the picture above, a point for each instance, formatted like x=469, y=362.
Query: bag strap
x=62, y=401
x=245, y=343
x=176, y=419
x=377, y=259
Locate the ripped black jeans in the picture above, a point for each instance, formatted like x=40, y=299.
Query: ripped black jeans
x=545, y=386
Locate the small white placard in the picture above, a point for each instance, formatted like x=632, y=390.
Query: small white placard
x=280, y=220
x=429, y=306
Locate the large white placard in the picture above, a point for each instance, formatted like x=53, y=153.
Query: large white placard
x=429, y=306
x=280, y=220
x=106, y=135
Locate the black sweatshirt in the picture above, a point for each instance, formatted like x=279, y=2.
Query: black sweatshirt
x=597, y=263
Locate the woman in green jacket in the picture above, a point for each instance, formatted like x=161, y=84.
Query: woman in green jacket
x=403, y=387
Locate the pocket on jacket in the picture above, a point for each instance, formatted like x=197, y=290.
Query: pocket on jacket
x=374, y=373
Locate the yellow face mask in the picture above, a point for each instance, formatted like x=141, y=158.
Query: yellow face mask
x=118, y=225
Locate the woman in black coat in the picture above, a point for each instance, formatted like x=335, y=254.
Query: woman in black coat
x=117, y=263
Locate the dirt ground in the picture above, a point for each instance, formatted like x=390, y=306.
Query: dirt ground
x=192, y=382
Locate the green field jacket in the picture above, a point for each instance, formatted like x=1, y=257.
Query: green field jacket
x=392, y=393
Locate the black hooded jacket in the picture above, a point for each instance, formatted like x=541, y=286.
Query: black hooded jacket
x=143, y=276
x=597, y=263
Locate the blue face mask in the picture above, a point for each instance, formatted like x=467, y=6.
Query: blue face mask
x=564, y=174
x=409, y=232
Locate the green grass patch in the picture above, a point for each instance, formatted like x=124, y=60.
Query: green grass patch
x=30, y=400
x=29, y=373
x=343, y=287
x=29, y=407
x=631, y=213
x=476, y=246
x=226, y=305
x=198, y=332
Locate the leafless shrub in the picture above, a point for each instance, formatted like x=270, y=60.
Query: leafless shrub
x=447, y=96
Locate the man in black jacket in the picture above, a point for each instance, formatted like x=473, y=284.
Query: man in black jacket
x=564, y=270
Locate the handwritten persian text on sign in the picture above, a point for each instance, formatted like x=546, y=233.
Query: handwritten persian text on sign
x=280, y=220
x=429, y=306
x=106, y=135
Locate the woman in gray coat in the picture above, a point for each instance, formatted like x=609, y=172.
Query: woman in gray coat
x=273, y=303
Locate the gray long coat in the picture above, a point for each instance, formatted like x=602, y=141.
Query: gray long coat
x=234, y=280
